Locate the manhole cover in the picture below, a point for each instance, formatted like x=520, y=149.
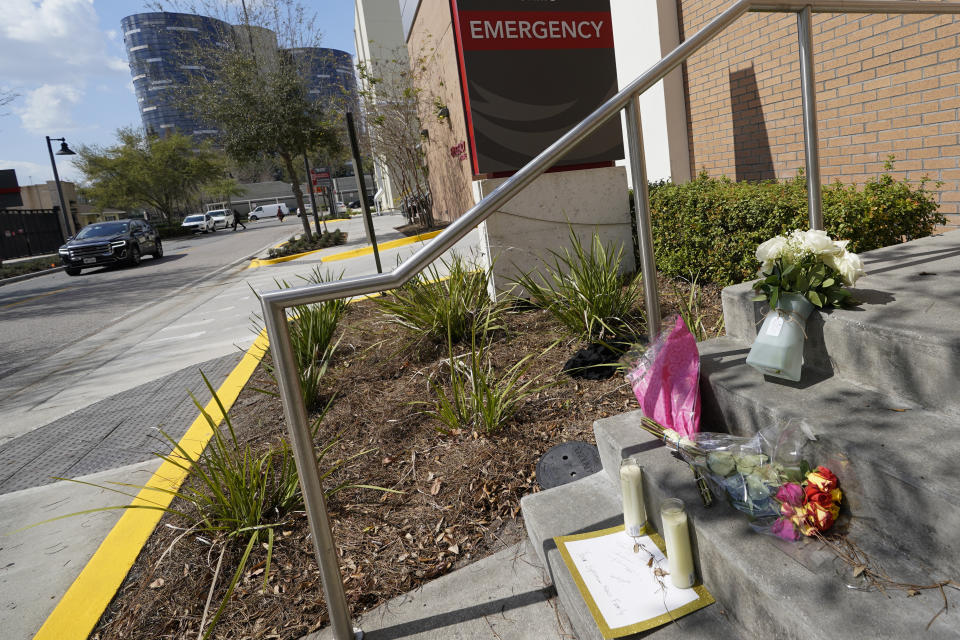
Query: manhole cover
x=567, y=462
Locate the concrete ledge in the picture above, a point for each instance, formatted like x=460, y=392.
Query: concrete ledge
x=590, y=504
x=905, y=334
x=28, y=276
x=771, y=588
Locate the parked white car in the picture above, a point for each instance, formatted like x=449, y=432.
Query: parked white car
x=222, y=218
x=202, y=222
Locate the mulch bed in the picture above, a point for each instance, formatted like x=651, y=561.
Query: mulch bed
x=462, y=491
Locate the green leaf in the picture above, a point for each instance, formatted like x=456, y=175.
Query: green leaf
x=829, y=282
x=815, y=298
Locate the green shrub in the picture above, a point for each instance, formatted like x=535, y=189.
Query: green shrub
x=11, y=269
x=714, y=225
x=297, y=245
x=173, y=231
x=438, y=307
x=584, y=290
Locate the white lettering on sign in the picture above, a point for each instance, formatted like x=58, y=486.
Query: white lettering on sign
x=540, y=29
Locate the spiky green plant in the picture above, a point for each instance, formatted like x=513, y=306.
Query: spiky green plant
x=480, y=398
x=234, y=493
x=584, y=291
x=693, y=314
x=312, y=332
x=451, y=301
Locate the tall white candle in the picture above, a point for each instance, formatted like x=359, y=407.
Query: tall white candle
x=676, y=536
x=631, y=488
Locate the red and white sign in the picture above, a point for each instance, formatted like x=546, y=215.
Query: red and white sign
x=530, y=70
x=492, y=30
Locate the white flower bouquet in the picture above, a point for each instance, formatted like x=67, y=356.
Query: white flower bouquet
x=809, y=264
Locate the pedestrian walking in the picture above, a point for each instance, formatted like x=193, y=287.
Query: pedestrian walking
x=236, y=221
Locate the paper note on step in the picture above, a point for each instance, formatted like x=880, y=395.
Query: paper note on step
x=627, y=587
x=775, y=326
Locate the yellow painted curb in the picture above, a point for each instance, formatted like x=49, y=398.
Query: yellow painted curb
x=85, y=601
x=268, y=261
x=399, y=242
x=353, y=253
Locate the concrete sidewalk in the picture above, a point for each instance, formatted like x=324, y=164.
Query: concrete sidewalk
x=113, y=440
x=507, y=596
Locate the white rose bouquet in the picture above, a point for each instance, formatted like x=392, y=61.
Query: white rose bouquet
x=810, y=264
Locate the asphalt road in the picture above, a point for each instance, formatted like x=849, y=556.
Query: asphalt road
x=69, y=341
x=72, y=341
x=38, y=317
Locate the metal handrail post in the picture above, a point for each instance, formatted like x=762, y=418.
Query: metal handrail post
x=295, y=412
x=811, y=143
x=641, y=199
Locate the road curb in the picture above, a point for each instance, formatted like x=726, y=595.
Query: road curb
x=80, y=609
x=27, y=276
x=353, y=253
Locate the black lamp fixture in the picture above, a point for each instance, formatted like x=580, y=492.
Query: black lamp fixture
x=64, y=151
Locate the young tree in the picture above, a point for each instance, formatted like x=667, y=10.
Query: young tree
x=256, y=96
x=390, y=100
x=166, y=174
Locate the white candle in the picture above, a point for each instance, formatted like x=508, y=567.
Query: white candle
x=631, y=488
x=676, y=536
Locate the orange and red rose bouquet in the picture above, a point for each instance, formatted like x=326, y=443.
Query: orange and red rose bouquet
x=767, y=477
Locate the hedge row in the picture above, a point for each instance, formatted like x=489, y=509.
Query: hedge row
x=711, y=227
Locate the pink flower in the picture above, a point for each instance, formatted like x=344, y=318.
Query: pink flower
x=790, y=493
x=785, y=529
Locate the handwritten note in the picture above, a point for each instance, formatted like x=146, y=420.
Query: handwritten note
x=630, y=590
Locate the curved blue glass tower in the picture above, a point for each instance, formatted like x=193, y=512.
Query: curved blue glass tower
x=328, y=73
x=159, y=47
x=161, y=50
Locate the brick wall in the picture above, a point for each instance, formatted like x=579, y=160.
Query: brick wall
x=886, y=84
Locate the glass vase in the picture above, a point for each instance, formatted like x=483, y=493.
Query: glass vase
x=778, y=349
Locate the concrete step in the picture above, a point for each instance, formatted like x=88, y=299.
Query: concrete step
x=904, y=337
x=902, y=458
x=590, y=504
x=768, y=587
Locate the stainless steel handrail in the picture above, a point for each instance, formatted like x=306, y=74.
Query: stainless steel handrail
x=275, y=303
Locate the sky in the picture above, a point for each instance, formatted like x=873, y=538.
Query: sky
x=67, y=62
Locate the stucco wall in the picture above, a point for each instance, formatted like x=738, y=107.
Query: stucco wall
x=432, y=49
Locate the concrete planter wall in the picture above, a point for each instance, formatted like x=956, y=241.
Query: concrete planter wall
x=539, y=220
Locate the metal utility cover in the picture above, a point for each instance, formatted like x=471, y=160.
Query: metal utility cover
x=529, y=72
x=567, y=462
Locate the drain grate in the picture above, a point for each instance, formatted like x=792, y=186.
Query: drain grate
x=567, y=462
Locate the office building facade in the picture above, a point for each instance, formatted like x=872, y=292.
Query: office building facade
x=378, y=36
x=162, y=53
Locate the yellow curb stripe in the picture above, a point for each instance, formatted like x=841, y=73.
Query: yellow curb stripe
x=353, y=253
x=268, y=261
x=363, y=251
x=85, y=601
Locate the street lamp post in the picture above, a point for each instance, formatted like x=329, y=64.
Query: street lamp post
x=65, y=226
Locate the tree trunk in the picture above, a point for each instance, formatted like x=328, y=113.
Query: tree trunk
x=298, y=194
